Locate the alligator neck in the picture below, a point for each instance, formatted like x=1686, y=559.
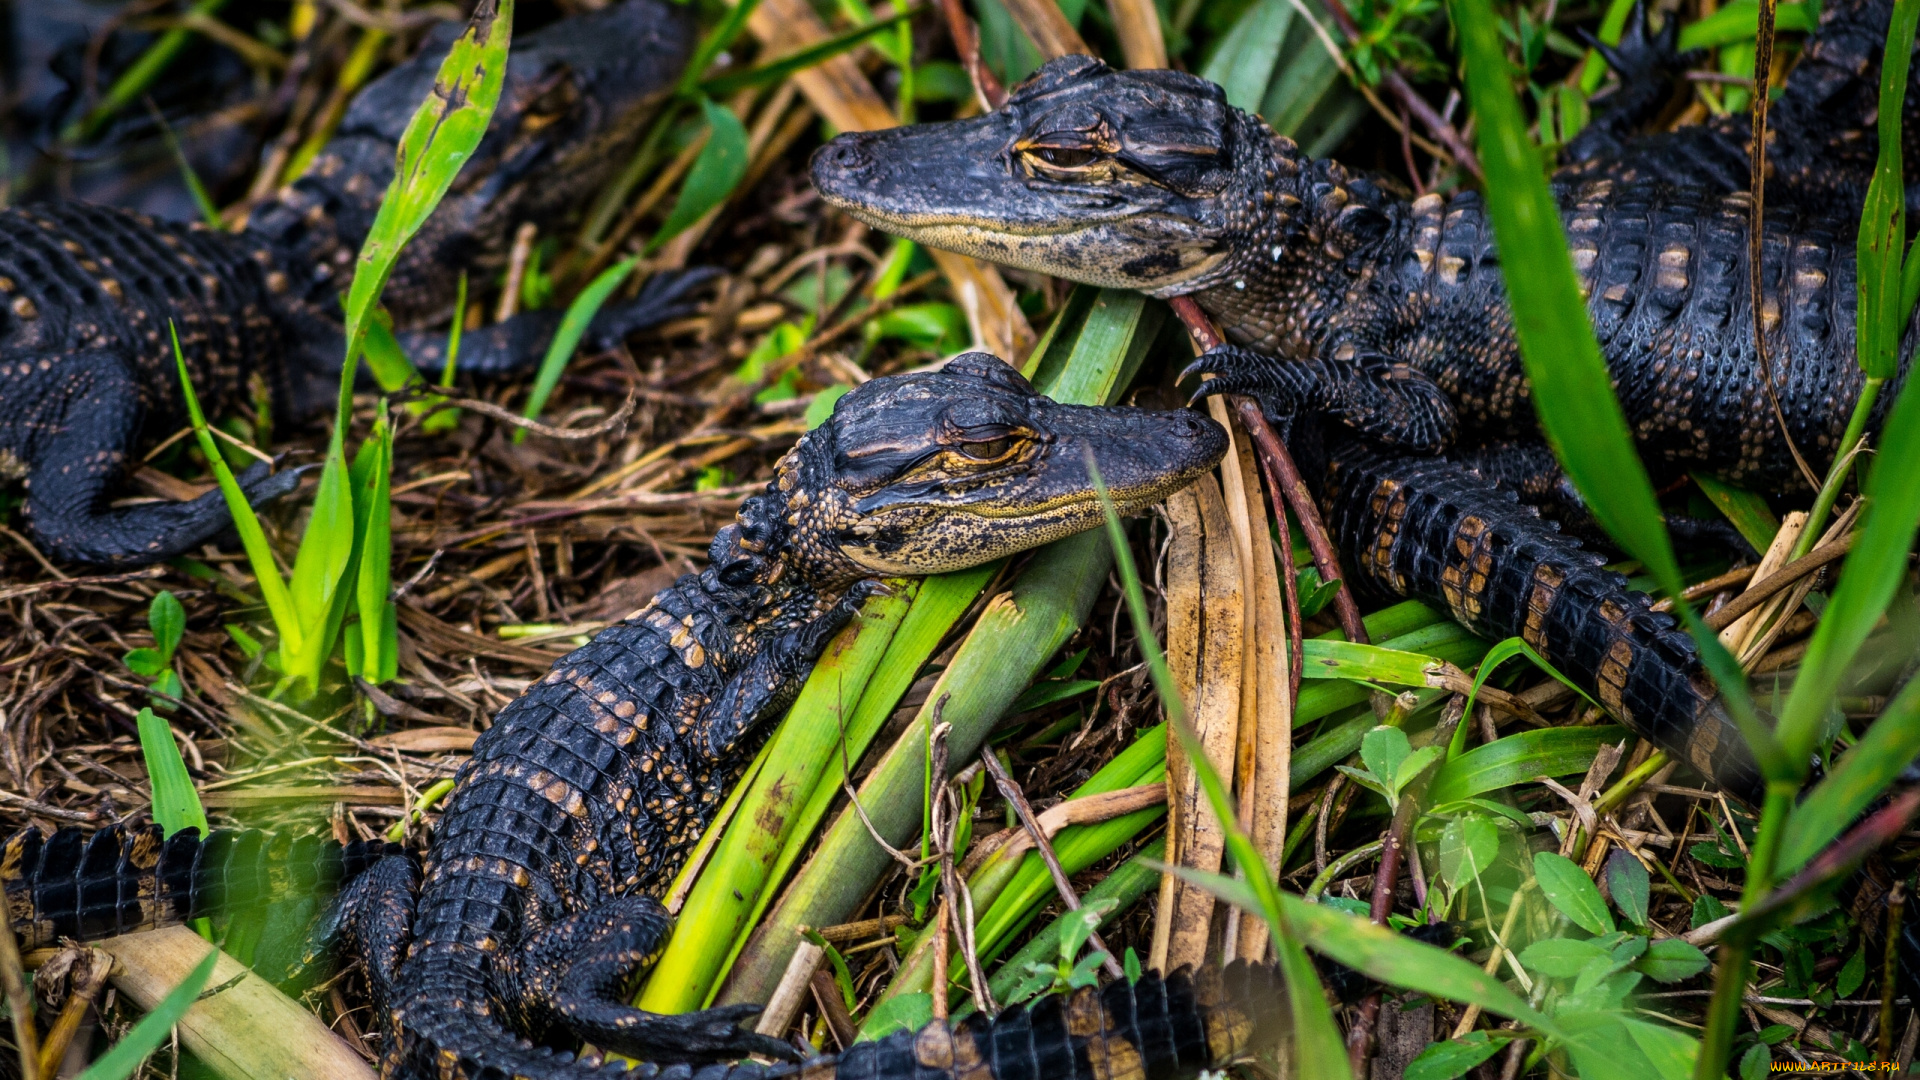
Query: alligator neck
x=1305, y=234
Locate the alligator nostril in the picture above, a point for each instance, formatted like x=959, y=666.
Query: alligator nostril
x=847, y=154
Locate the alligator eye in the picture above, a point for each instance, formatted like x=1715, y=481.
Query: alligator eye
x=1064, y=157
x=991, y=450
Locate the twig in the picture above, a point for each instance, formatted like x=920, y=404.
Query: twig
x=88, y=976
x=13, y=982
x=966, y=41
x=1024, y=811
x=1896, y=901
x=488, y=408
x=1761, y=591
x=1756, y=229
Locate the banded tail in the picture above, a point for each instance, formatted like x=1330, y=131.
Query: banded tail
x=1434, y=530
x=1169, y=1028
x=128, y=878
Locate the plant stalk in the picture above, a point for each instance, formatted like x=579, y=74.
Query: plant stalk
x=1730, y=971
x=1837, y=471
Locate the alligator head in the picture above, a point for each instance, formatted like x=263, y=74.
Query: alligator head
x=936, y=471
x=578, y=93
x=1142, y=180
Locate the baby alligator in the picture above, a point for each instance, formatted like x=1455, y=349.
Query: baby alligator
x=86, y=292
x=1341, y=297
x=538, y=901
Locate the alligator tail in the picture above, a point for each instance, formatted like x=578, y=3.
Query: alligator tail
x=1155, y=1029
x=1435, y=530
x=129, y=878
x=1169, y=1028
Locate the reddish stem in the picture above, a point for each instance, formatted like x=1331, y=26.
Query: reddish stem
x=1284, y=475
x=966, y=41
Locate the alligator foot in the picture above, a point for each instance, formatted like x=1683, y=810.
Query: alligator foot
x=666, y=295
x=574, y=971
x=371, y=920
x=1388, y=402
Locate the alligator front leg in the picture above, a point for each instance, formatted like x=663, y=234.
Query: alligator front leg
x=1390, y=403
x=77, y=447
x=574, y=973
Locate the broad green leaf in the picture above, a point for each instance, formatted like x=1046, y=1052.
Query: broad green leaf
x=383, y=354
x=1383, y=749
x=176, y=805
x=1562, y=958
x=821, y=407
x=1244, y=60
x=1325, y=658
x=1568, y=888
x=1756, y=1063
x=1572, y=388
x=126, y=1055
x=1398, y=960
x=903, y=1012
x=1628, y=884
x=1852, y=974
x=1450, y=1059
x=1415, y=764
x=1707, y=908
x=566, y=338
x=715, y=173
x=1519, y=759
x=144, y=661
x=1671, y=1052
x=1873, y=764
x=1671, y=960
x=1467, y=848
x=168, y=621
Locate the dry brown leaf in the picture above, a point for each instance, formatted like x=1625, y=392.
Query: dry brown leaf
x=1205, y=640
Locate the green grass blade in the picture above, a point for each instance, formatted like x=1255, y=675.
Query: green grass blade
x=714, y=44
x=209, y=213
x=372, y=503
x=176, y=805
x=438, y=140
x=153, y=1028
x=1324, y=659
x=1883, y=220
x=1244, y=60
x=573, y=326
x=1868, y=769
x=273, y=589
x=1398, y=960
x=1519, y=759
x=1747, y=510
x=1572, y=390
x=1124, y=886
x=1738, y=22
x=1868, y=579
x=774, y=70
x=715, y=173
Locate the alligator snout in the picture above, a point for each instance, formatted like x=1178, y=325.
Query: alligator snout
x=846, y=157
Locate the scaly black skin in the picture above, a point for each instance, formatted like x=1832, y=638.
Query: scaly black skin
x=1341, y=298
x=1822, y=136
x=86, y=292
x=538, y=902
x=1435, y=530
